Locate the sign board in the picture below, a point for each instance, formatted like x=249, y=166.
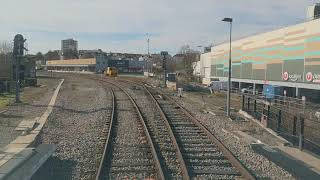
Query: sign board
x=312, y=77
x=291, y=77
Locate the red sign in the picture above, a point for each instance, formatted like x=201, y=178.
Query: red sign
x=285, y=76
x=309, y=77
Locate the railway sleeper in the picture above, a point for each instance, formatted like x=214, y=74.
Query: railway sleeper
x=135, y=169
x=212, y=156
x=216, y=172
x=132, y=155
x=187, y=129
x=193, y=135
x=208, y=154
x=195, y=141
x=199, y=150
x=208, y=162
x=197, y=145
x=133, y=163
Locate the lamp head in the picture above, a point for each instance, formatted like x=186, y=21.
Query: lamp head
x=227, y=20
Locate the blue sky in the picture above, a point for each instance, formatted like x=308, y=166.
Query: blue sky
x=122, y=25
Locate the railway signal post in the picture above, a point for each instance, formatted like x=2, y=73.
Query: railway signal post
x=18, y=51
x=164, y=55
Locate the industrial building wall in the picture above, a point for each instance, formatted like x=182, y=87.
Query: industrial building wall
x=289, y=54
x=205, y=67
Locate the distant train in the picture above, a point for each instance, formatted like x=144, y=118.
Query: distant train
x=111, y=72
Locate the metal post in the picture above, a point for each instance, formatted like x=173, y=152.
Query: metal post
x=294, y=128
x=301, y=133
x=297, y=92
x=17, y=79
x=164, y=54
x=243, y=101
x=164, y=72
x=248, y=105
x=279, y=121
x=255, y=105
x=268, y=115
x=148, y=46
x=229, y=75
x=18, y=50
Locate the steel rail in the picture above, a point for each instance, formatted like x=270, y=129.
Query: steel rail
x=102, y=161
x=154, y=153
x=185, y=173
x=228, y=154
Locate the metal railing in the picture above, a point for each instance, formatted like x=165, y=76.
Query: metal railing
x=289, y=122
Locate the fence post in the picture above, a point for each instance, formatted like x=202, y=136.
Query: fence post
x=279, y=120
x=248, y=104
x=294, y=128
x=268, y=115
x=301, y=133
x=243, y=101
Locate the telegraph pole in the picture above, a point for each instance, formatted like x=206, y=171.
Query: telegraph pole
x=18, y=50
x=148, y=41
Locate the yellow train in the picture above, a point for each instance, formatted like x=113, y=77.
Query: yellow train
x=111, y=72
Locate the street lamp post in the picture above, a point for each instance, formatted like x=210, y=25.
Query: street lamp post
x=229, y=72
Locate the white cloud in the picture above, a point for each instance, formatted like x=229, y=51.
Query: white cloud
x=195, y=22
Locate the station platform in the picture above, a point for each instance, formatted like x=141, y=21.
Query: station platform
x=19, y=152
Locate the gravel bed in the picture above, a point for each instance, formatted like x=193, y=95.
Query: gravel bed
x=128, y=131
x=257, y=163
x=157, y=130
x=262, y=167
x=34, y=102
x=76, y=124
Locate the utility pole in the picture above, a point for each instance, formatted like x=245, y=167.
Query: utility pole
x=18, y=51
x=148, y=41
x=164, y=55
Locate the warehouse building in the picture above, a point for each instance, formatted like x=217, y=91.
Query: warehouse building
x=79, y=65
x=96, y=65
x=287, y=57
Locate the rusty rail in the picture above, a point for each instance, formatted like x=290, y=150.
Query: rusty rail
x=154, y=153
x=99, y=172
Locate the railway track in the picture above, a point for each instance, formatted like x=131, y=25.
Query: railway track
x=201, y=154
x=129, y=151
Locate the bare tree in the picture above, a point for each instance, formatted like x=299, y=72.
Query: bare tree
x=188, y=56
x=6, y=47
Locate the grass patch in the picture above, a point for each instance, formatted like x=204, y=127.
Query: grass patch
x=6, y=99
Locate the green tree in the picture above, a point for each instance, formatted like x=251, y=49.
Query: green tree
x=52, y=55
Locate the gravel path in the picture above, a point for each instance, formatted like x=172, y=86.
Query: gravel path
x=75, y=126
